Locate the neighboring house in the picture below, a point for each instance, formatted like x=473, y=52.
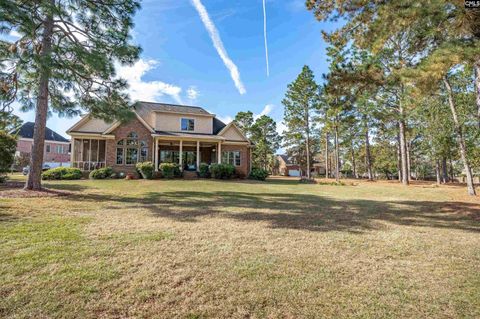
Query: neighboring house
x=56, y=152
x=287, y=166
x=161, y=133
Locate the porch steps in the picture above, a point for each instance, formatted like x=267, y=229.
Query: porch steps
x=190, y=175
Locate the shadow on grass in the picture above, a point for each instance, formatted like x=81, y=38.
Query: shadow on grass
x=297, y=211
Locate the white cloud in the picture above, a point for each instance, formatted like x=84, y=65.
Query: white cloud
x=266, y=111
x=15, y=34
x=218, y=44
x=225, y=119
x=147, y=90
x=192, y=93
x=265, y=35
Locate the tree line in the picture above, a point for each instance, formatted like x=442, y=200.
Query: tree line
x=401, y=97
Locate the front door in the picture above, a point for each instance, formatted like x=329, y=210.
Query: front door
x=190, y=160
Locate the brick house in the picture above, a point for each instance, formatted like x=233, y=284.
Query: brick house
x=57, y=148
x=160, y=133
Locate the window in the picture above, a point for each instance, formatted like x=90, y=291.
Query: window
x=131, y=151
x=59, y=149
x=231, y=158
x=188, y=124
x=48, y=148
x=119, y=156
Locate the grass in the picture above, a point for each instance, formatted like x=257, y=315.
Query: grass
x=213, y=249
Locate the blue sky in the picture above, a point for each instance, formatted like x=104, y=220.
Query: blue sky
x=180, y=64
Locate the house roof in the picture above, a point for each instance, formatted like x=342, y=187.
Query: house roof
x=286, y=159
x=175, y=108
x=217, y=126
x=26, y=131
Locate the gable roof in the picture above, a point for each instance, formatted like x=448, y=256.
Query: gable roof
x=172, y=108
x=217, y=126
x=232, y=124
x=286, y=159
x=26, y=131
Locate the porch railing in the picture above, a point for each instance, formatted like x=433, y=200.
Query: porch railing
x=88, y=166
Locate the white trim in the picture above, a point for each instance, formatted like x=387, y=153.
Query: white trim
x=26, y=139
x=79, y=123
x=184, y=113
x=98, y=136
x=193, y=138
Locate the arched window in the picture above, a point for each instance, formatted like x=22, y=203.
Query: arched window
x=131, y=150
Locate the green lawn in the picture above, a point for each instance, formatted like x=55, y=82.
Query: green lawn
x=210, y=249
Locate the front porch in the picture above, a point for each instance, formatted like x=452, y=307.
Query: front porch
x=187, y=153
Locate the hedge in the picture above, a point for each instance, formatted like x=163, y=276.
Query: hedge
x=62, y=173
x=101, y=173
x=146, y=169
x=170, y=170
x=204, y=170
x=258, y=174
x=222, y=171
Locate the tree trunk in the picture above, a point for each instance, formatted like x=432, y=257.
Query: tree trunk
x=403, y=150
x=34, y=180
x=409, y=162
x=399, y=159
x=368, y=156
x=327, y=159
x=477, y=86
x=354, y=166
x=337, y=157
x=307, y=147
x=460, y=138
x=444, y=170
x=452, y=174
x=437, y=172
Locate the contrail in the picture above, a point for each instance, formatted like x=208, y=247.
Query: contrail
x=218, y=44
x=265, y=35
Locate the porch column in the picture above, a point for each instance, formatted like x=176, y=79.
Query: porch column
x=72, y=152
x=219, y=153
x=180, y=157
x=198, y=156
x=156, y=154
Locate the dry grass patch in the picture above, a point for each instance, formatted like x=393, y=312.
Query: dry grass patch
x=209, y=249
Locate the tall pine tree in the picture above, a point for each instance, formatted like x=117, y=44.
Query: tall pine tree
x=301, y=104
x=64, y=61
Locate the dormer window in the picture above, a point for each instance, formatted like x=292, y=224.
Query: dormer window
x=188, y=124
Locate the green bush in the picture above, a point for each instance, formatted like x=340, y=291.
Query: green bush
x=203, y=170
x=258, y=174
x=170, y=170
x=62, y=173
x=101, y=173
x=8, y=146
x=3, y=179
x=146, y=169
x=222, y=171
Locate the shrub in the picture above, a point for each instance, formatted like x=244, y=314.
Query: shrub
x=258, y=174
x=222, y=171
x=3, y=179
x=146, y=169
x=170, y=170
x=203, y=170
x=8, y=146
x=101, y=173
x=62, y=173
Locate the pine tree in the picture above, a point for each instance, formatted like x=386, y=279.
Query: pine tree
x=244, y=121
x=266, y=140
x=301, y=102
x=64, y=61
